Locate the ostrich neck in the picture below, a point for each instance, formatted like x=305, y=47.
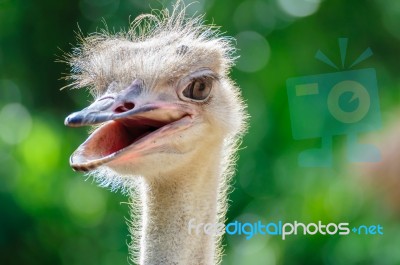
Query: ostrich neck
x=169, y=206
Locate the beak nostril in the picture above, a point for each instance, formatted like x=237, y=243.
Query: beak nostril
x=129, y=105
x=125, y=107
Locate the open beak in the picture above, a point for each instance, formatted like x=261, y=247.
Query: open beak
x=129, y=129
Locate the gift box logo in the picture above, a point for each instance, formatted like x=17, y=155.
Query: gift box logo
x=340, y=103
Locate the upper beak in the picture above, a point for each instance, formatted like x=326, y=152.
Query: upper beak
x=90, y=116
x=110, y=107
x=123, y=105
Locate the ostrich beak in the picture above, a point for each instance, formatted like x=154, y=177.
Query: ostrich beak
x=113, y=107
x=129, y=129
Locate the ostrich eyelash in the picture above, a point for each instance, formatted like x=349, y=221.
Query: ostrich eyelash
x=203, y=73
x=199, y=75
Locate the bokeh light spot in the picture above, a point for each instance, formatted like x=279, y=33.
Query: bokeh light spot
x=41, y=150
x=243, y=17
x=9, y=91
x=299, y=8
x=39, y=154
x=391, y=18
x=250, y=15
x=264, y=13
x=15, y=123
x=254, y=51
x=86, y=202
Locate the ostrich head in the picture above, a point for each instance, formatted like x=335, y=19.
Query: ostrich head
x=162, y=98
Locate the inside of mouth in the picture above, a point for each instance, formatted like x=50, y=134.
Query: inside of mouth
x=113, y=137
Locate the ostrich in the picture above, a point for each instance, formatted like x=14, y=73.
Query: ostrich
x=168, y=121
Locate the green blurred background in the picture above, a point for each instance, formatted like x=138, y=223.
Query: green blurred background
x=51, y=215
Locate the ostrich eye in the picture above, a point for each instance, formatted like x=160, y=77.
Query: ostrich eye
x=198, y=89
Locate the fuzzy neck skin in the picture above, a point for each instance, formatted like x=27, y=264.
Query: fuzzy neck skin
x=168, y=207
